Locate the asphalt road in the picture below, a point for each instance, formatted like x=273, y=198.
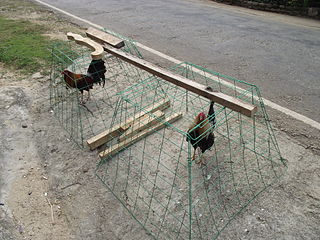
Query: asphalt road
x=282, y=58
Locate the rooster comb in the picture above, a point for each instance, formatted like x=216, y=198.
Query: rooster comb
x=202, y=115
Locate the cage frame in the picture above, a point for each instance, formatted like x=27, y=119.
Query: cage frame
x=230, y=85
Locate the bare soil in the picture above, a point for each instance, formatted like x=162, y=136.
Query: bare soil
x=48, y=187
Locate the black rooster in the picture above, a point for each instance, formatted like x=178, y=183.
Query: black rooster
x=97, y=71
x=200, y=133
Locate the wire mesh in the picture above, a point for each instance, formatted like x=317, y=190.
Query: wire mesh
x=147, y=160
x=153, y=174
x=83, y=121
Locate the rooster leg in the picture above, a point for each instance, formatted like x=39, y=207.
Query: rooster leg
x=201, y=162
x=194, y=155
x=88, y=96
x=200, y=157
x=81, y=100
x=84, y=101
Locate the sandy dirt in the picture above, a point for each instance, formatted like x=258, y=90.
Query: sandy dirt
x=36, y=175
x=48, y=187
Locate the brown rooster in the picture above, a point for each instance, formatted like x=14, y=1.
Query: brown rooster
x=200, y=133
x=80, y=81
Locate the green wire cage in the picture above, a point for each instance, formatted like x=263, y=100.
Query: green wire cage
x=84, y=121
x=170, y=195
x=146, y=162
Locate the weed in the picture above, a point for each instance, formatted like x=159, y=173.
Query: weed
x=23, y=46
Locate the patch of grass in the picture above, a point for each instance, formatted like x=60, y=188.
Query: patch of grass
x=22, y=45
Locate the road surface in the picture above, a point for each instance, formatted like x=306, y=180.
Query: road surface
x=216, y=36
x=279, y=55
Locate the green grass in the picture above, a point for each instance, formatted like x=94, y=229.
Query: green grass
x=22, y=45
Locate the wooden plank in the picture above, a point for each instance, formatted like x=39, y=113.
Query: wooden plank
x=118, y=147
x=218, y=97
x=105, y=136
x=161, y=105
x=120, y=128
x=98, y=49
x=103, y=37
x=144, y=122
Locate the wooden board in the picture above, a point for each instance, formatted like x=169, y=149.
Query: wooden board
x=105, y=136
x=103, y=37
x=120, y=128
x=118, y=147
x=161, y=105
x=98, y=49
x=218, y=97
x=144, y=122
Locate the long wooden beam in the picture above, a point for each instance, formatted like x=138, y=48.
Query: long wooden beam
x=218, y=97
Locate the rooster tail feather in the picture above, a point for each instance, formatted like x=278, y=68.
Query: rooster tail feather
x=212, y=114
x=97, y=71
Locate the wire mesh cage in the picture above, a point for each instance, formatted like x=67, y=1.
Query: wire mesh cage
x=83, y=121
x=147, y=162
x=140, y=124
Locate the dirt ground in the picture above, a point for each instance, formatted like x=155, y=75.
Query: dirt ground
x=48, y=188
